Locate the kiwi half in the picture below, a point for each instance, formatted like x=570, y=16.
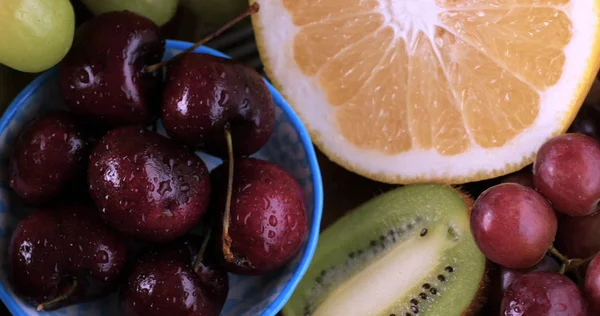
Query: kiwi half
x=408, y=252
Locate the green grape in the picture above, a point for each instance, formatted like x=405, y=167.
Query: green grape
x=215, y=13
x=35, y=34
x=159, y=11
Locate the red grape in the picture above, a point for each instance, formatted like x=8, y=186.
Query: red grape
x=513, y=225
x=592, y=284
x=508, y=276
x=587, y=122
x=500, y=278
x=567, y=172
x=578, y=237
x=543, y=293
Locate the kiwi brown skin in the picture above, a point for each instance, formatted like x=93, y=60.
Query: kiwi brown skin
x=482, y=294
x=479, y=297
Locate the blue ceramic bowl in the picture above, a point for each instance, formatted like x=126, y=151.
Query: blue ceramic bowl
x=290, y=147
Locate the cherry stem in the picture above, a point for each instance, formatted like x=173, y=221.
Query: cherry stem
x=251, y=10
x=60, y=298
x=226, y=239
x=202, y=250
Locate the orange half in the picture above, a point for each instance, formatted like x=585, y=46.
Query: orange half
x=450, y=91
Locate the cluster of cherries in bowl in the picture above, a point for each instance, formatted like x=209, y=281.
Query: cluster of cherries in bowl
x=142, y=188
x=541, y=227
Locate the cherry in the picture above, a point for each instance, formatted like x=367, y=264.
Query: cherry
x=146, y=185
x=103, y=77
x=49, y=156
x=203, y=93
x=172, y=279
x=566, y=171
x=264, y=221
x=64, y=255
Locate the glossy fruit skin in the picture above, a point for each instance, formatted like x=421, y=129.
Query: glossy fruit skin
x=146, y=185
x=500, y=278
x=52, y=246
x=159, y=11
x=592, y=284
x=202, y=93
x=102, y=78
x=567, y=172
x=587, y=122
x=177, y=289
x=508, y=276
x=513, y=225
x=268, y=223
x=51, y=154
x=36, y=34
x=543, y=293
x=578, y=237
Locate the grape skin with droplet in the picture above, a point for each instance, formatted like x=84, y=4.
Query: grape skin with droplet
x=543, y=293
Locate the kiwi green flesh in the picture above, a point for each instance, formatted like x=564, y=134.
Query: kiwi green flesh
x=407, y=252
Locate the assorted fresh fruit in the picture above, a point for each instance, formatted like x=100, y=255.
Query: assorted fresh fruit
x=147, y=189
x=396, y=91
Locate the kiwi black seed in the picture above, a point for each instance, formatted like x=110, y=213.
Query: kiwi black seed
x=424, y=263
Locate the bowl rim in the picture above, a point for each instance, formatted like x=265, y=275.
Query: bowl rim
x=313, y=236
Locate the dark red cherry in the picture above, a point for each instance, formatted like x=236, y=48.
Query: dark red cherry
x=268, y=222
x=65, y=250
x=146, y=185
x=167, y=280
x=203, y=93
x=102, y=78
x=49, y=156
